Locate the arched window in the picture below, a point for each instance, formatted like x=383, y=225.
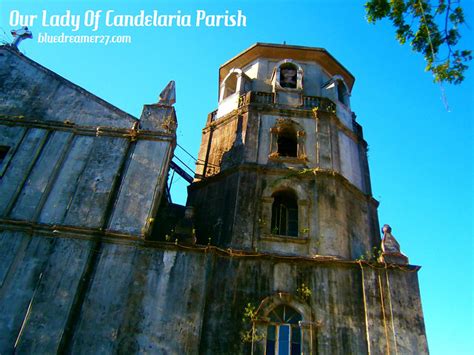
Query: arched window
x=287, y=142
x=284, y=332
x=336, y=89
x=341, y=92
x=285, y=213
x=288, y=75
x=230, y=85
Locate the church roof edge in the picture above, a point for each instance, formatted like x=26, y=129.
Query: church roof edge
x=282, y=51
x=76, y=87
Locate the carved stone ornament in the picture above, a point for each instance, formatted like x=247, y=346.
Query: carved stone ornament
x=184, y=229
x=391, y=253
x=168, y=95
x=284, y=122
x=20, y=35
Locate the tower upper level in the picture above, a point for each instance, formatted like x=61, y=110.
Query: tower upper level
x=294, y=76
x=281, y=93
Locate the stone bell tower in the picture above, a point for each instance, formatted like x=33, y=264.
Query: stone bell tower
x=282, y=166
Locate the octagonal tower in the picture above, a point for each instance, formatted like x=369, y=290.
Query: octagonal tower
x=282, y=166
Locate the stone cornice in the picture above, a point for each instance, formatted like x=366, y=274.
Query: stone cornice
x=94, y=235
x=287, y=173
x=132, y=133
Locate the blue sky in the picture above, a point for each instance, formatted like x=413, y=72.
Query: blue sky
x=421, y=155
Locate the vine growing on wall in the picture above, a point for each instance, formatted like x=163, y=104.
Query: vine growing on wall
x=250, y=334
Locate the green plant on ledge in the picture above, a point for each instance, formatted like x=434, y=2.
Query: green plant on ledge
x=304, y=292
x=371, y=256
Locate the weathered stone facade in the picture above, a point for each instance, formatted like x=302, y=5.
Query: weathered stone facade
x=80, y=186
x=328, y=171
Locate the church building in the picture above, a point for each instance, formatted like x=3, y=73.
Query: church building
x=277, y=251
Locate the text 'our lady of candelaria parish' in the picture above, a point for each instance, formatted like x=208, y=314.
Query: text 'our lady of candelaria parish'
x=95, y=19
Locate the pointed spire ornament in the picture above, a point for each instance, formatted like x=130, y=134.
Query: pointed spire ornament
x=168, y=95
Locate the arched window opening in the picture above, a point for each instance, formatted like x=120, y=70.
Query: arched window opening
x=341, y=92
x=285, y=213
x=284, y=332
x=287, y=142
x=288, y=75
x=230, y=85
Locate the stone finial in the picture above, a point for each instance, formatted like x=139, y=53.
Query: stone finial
x=389, y=243
x=168, y=95
x=184, y=229
x=391, y=253
x=161, y=116
x=19, y=35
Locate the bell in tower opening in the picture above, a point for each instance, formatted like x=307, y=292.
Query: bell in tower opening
x=288, y=76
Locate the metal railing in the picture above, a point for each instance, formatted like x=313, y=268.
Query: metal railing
x=268, y=98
